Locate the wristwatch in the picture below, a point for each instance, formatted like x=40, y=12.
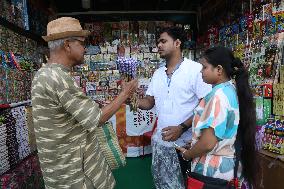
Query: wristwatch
x=184, y=127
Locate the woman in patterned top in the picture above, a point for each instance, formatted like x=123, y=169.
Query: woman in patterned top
x=226, y=113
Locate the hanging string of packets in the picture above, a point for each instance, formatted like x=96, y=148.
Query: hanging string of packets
x=128, y=70
x=8, y=60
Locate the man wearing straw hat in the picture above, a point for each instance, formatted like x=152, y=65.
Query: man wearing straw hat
x=64, y=116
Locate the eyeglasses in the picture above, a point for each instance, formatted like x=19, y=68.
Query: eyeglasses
x=82, y=42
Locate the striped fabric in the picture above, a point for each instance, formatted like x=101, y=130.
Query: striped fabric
x=109, y=144
x=65, y=120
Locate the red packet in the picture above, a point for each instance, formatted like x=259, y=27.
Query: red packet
x=267, y=88
x=194, y=184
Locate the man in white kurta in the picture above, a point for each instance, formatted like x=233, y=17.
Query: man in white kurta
x=175, y=90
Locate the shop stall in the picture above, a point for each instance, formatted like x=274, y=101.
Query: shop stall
x=122, y=46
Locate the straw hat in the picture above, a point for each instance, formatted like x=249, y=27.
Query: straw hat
x=64, y=27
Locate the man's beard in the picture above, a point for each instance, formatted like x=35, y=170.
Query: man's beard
x=164, y=56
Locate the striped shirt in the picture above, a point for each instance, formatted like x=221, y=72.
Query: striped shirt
x=65, y=119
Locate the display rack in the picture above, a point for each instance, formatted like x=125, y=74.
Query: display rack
x=21, y=31
x=20, y=57
x=273, y=155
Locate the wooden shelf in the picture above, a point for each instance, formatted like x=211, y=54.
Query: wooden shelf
x=21, y=31
x=273, y=155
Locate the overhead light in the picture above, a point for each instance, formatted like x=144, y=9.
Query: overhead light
x=86, y=4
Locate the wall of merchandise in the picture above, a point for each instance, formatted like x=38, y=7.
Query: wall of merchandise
x=29, y=15
x=21, y=51
x=21, y=55
x=17, y=65
x=257, y=38
x=19, y=166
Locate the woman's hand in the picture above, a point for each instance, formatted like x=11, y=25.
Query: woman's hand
x=205, y=144
x=184, y=153
x=188, y=145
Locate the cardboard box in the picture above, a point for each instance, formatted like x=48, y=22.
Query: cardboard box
x=282, y=74
x=278, y=99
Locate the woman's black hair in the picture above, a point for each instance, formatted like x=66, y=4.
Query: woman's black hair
x=235, y=69
x=175, y=33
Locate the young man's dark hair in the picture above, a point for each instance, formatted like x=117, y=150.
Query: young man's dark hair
x=175, y=33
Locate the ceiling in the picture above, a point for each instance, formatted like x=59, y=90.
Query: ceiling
x=67, y=6
x=180, y=11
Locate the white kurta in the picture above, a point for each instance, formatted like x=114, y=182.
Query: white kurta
x=175, y=102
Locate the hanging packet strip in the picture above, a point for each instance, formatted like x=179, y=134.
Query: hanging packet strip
x=3, y=59
x=12, y=63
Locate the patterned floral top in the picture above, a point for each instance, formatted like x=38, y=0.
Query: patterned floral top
x=218, y=110
x=65, y=120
